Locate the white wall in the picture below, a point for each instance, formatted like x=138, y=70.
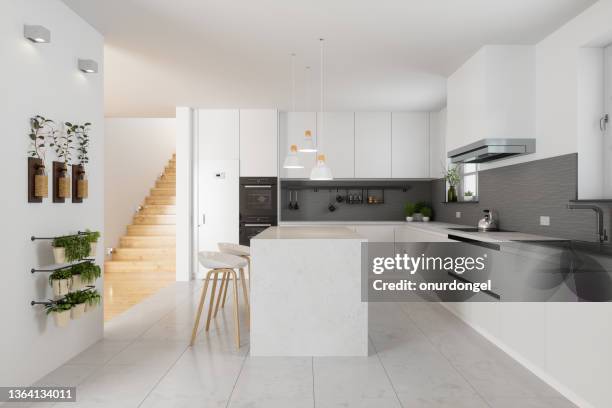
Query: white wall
x=43, y=79
x=136, y=152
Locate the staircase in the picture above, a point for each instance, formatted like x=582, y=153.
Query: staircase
x=145, y=260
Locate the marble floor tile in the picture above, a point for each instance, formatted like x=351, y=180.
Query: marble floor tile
x=99, y=353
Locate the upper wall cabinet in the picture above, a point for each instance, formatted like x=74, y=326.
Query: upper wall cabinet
x=292, y=128
x=218, y=134
x=437, y=143
x=372, y=145
x=410, y=145
x=336, y=140
x=492, y=96
x=258, y=143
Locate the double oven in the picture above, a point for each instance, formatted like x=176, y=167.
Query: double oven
x=258, y=206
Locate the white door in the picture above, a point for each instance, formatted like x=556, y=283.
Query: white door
x=336, y=140
x=218, y=194
x=292, y=128
x=372, y=144
x=410, y=145
x=258, y=143
x=218, y=134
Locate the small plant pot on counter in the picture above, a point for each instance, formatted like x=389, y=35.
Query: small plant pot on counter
x=59, y=255
x=409, y=219
x=77, y=310
x=425, y=219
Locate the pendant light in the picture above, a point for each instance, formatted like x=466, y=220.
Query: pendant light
x=292, y=160
x=321, y=171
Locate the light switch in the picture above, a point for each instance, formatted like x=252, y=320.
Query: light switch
x=458, y=214
x=544, y=220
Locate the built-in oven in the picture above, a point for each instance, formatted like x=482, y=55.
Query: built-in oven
x=258, y=206
x=251, y=226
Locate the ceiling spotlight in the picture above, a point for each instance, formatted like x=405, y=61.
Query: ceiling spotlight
x=88, y=66
x=37, y=33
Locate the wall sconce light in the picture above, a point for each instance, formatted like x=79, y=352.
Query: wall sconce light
x=37, y=33
x=88, y=66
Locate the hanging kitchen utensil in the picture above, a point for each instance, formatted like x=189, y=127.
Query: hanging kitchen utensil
x=296, y=206
x=290, y=200
x=331, y=207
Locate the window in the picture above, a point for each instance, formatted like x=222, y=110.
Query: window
x=469, y=179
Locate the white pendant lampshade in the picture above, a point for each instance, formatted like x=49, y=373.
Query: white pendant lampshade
x=292, y=160
x=321, y=171
x=308, y=145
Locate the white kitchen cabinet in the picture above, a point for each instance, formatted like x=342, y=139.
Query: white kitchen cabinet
x=410, y=145
x=437, y=143
x=258, y=143
x=218, y=134
x=372, y=145
x=336, y=140
x=292, y=127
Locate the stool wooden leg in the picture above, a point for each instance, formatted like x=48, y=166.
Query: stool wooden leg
x=212, y=298
x=249, y=264
x=225, y=291
x=244, y=292
x=200, y=307
x=236, y=305
x=223, y=284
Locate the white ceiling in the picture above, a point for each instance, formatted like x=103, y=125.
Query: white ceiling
x=380, y=55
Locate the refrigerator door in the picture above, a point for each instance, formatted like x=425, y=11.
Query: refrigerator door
x=218, y=203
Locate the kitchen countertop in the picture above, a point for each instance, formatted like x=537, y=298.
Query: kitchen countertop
x=297, y=223
x=308, y=232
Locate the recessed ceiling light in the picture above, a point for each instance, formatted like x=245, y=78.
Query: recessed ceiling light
x=88, y=66
x=36, y=33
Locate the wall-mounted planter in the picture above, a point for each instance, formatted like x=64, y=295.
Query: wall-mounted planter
x=59, y=255
x=61, y=182
x=61, y=287
x=38, y=181
x=77, y=311
x=62, y=318
x=80, y=184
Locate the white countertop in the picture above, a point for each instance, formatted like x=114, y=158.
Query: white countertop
x=323, y=223
x=493, y=236
x=308, y=232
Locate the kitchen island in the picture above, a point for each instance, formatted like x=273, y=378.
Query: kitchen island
x=306, y=293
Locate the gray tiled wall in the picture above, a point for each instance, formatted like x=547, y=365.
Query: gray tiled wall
x=313, y=204
x=523, y=192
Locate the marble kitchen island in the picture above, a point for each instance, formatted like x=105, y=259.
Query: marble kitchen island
x=306, y=293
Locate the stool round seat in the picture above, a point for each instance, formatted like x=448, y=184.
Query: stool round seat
x=219, y=260
x=234, y=249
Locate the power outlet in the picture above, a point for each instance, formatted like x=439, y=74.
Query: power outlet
x=544, y=220
x=458, y=214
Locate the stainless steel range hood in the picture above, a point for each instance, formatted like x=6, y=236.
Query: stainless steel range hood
x=487, y=150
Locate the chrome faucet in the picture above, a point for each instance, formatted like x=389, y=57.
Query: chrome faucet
x=603, y=235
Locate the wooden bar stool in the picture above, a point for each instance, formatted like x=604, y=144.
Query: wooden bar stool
x=242, y=251
x=224, y=264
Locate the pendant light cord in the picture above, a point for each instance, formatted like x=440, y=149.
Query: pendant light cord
x=293, y=82
x=322, y=92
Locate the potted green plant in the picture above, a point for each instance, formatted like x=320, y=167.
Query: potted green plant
x=62, y=142
x=409, y=211
x=93, y=300
x=41, y=129
x=81, y=132
x=468, y=196
x=89, y=272
x=78, y=301
x=61, y=281
x=60, y=312
x=92, y=237
x=70, y=248
x=418, y=208
x=453, y=178
x=426, y=213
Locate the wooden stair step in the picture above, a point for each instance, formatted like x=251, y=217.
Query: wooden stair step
x=156, y=192
x=158, y=209
x=147, y=242
x=151, y=230
x=145, y=254
x=154, y=219
x=116, y=267
x=165, y=184
x=163, y=200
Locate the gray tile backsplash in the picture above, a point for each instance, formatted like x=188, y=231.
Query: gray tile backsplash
x=522, y=193
x=314, y=204
x=519, y=193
